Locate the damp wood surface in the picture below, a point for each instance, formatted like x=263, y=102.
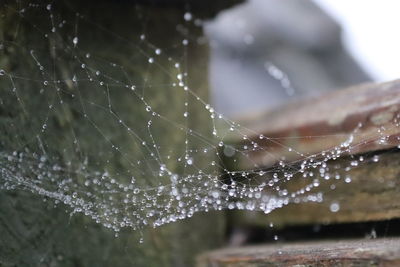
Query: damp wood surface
x=363, y=252
x=318, y=124
x=368, y=114
x=372, y=194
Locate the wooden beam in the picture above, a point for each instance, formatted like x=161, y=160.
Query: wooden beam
x=371, y=192
x=367, y=115
x=373, y=252
x=362, y=186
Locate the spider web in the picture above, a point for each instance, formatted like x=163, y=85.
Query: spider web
x=112, y=124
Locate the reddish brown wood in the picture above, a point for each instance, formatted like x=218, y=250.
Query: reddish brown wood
x=365, y=252
x=311, y=126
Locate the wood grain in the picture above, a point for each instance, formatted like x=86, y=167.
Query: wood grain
x=376, y=252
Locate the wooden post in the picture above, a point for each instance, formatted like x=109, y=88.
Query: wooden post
x=42, y=114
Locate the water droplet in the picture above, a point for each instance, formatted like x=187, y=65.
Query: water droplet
x=174, y=178
x=75, y=41
x=215, y=194
x=48, y=7
x=229, y=151
x=334, y=207
x=151, y=60
x=188, y=16
x=158, y=51
x=2, y=72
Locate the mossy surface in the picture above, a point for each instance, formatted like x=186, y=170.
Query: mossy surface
x=81, y=126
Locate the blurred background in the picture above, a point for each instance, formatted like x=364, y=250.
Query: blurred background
x=369, y=34
x=267, y=52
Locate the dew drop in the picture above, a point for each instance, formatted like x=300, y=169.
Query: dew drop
x=75, y=41
x=188, y=16
x=334, y=207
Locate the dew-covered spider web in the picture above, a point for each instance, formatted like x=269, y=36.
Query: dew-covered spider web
x=109, y=117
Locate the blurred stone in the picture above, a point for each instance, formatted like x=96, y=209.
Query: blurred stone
x=266, y=52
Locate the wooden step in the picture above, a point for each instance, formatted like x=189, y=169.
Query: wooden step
x=364, y=252
x=364, y=182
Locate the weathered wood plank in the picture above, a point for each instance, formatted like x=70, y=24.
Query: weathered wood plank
x=375, y=252
x=367, y=113
x=372, y=193
x=364, y=186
